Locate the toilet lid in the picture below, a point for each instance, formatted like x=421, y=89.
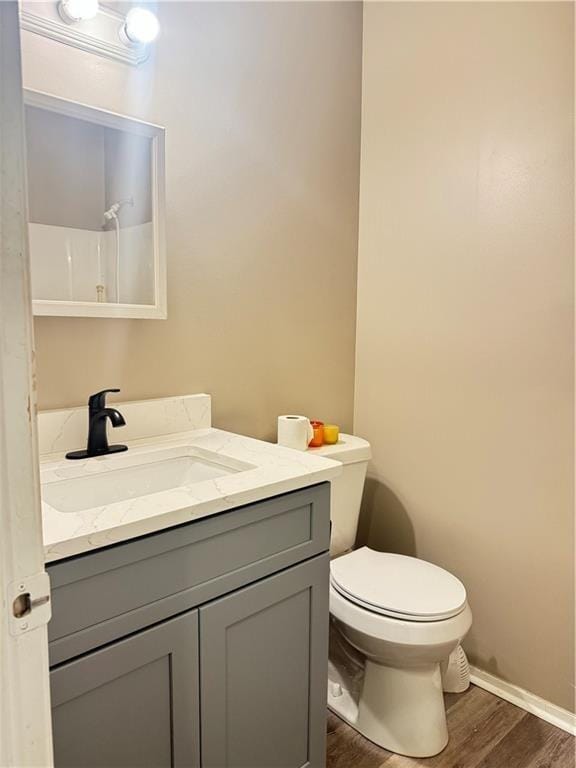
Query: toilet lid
x=399, y=586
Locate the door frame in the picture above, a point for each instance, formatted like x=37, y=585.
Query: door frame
x=25, y=722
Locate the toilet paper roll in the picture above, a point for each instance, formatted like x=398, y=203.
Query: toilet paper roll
x=294, y=432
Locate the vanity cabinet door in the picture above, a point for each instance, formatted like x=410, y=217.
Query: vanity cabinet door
x=264, y=652
x=132, y=703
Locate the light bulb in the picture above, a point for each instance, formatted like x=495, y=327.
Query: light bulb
x=77, y=10
x=141, y=26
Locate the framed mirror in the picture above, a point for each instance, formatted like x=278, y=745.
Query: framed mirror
x=96, y=211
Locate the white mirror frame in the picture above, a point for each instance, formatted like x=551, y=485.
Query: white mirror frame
x=156, y=133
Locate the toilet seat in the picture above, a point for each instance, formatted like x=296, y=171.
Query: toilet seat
x=397, y=586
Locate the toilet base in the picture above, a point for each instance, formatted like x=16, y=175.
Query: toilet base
x=400, y=709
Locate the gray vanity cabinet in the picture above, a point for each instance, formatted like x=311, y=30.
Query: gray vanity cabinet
x=202, y=646
x=132, y=704
x=264, y=660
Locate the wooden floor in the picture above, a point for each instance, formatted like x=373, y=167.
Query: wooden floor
x=485, y=732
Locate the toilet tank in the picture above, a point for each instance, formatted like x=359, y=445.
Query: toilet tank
x=346, y=489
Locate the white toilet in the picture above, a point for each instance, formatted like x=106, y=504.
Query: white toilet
x=394, y=621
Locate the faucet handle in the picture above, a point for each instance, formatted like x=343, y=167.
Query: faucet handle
x=98, y=401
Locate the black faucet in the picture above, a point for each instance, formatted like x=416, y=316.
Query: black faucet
x=98, y=414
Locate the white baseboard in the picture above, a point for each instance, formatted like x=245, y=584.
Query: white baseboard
x=543, y=709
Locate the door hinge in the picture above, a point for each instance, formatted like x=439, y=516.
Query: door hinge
x=29, y=603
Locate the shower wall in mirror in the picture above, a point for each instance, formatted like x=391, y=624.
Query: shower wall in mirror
x=96, y=211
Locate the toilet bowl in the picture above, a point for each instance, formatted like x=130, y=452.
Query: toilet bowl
x=394, y=620
x=400, y=703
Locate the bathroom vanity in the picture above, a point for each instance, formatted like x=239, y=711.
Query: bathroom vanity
x=205, y=644
x=198, y=636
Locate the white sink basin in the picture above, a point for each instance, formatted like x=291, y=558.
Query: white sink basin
x=106, y=480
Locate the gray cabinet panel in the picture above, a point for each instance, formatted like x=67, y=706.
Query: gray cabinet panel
x=131, y=704
x=127, y=587
x=263, y=675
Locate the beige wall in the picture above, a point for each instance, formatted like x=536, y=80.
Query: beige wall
x=465, y=345
x=261, y=103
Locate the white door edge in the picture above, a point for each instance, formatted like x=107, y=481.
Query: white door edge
x=25, y=724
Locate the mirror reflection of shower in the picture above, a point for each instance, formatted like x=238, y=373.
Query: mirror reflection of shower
x=93, y=191
x=112, y=214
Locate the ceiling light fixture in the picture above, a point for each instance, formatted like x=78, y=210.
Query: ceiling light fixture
x=140, y=28
x=77, y=10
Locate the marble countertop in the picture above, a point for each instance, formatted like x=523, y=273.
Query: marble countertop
x=273, y=470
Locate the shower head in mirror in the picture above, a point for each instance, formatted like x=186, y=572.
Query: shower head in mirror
x=114, y=210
